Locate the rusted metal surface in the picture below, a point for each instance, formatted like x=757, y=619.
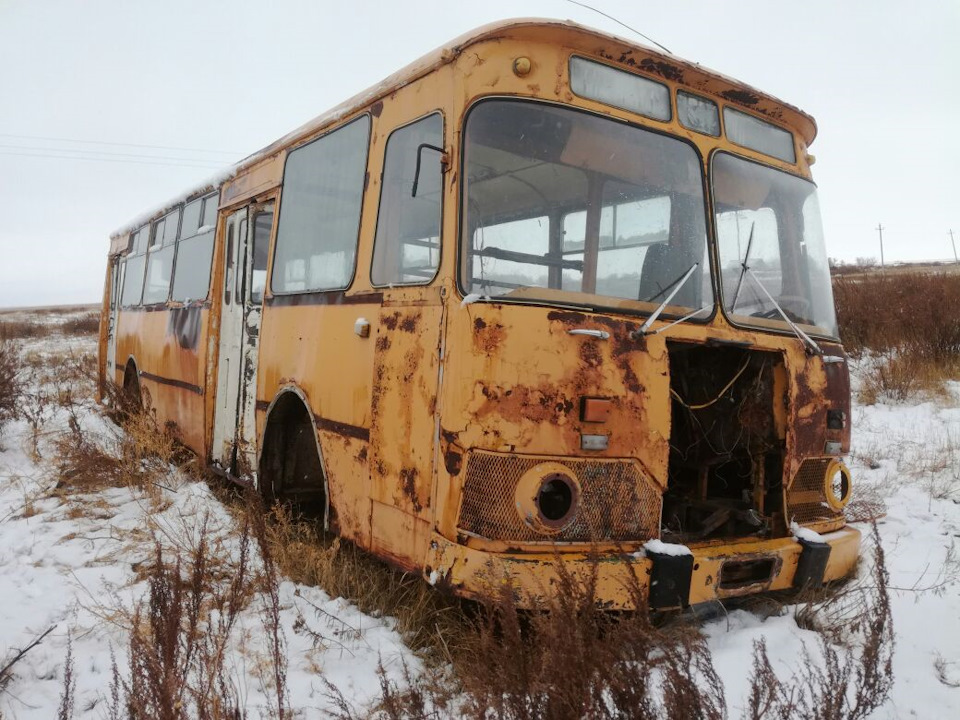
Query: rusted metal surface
x=172, y=369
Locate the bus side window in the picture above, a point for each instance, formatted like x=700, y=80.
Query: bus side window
x=228, y=273
x=262, y=225
x=406, y=250
x=239, y=280
x=191, y=275
x=319, y=222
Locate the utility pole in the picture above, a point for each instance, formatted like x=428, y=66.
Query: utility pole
x=954, y=248
x=880, y=230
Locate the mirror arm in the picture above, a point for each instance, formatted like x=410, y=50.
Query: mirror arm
x=443, y=163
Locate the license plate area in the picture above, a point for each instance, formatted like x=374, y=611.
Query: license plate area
x=737, y=574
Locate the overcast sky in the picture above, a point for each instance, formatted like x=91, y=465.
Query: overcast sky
x=108, y=107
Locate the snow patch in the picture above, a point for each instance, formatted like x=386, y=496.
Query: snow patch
x=802, y=533
x=659, y=547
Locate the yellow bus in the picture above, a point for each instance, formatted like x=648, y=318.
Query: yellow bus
x=544, y=295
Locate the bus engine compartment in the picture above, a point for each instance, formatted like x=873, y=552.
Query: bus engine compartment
x=727, y=443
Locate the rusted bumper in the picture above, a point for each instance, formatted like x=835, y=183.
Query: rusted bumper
x=713, y=572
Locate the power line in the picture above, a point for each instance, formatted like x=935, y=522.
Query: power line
x=209, y=166
x=104, y=142
x=611, y=17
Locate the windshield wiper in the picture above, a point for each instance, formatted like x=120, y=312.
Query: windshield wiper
x=683, y=319
x=744, y=268
x=807, y=340
x=642, y=330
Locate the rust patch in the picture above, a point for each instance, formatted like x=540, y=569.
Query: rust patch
x=391, y=321
x=362, y=455
x=487, y=337
x=377, y=108
x=410, y=323
x=542, y=404
x=590, y=354
x=408, y=483
x=663, y=69
x=453, y=462
x=565, y=316
x=809, y=415
x=740, y=96
x=383, y=343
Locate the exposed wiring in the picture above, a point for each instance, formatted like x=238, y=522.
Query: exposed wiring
x=723, y=392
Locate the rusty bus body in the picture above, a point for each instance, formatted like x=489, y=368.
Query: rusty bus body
x=493, y=375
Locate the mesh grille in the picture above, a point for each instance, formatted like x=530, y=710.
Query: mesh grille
x=616, y=501
x=806, y=501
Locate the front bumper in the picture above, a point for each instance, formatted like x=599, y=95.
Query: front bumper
x=714, y=572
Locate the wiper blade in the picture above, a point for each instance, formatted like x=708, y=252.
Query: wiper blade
x=642, y=330
x=793, y=326
x=744, y=268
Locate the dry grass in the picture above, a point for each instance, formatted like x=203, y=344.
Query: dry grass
x=11, y=383
x=303, y=552
x=907, y=325
x=88, y=324
x=182, y=635
x=573, y=660
x=22, y=329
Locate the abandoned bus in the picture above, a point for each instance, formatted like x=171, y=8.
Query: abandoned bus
x=543, y=294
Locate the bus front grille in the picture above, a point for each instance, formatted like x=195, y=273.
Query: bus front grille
x=616, y=503
x=806, y=498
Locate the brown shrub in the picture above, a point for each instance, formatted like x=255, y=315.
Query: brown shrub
x=913, y=313
x=838, y=686
x=87, y=324
x=571, y=660
x=906, y=321
x=11, y=385
x=23, y=329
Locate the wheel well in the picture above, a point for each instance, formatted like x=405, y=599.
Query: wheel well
x=131, y=383
x=291, y=468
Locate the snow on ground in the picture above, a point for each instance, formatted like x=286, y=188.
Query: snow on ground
x=67, y=560
x=908, y=455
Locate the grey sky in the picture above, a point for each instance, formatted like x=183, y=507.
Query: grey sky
x=882, y=79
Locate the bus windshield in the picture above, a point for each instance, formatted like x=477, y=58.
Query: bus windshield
x=771, y=247
x=568, y=207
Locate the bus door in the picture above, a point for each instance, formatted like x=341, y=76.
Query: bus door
x=245, y=269
x=116, y=283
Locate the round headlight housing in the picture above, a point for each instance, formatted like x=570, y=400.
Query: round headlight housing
x=547, y=497
x=837, y=485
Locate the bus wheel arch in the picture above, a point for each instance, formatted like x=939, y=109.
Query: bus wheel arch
x=291, y=466
x=132, y=391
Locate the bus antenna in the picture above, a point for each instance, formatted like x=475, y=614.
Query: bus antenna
x=611, y=17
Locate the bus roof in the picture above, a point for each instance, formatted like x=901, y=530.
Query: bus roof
x=614, y=48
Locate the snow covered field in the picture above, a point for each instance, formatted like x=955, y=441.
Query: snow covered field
x=70, y=560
